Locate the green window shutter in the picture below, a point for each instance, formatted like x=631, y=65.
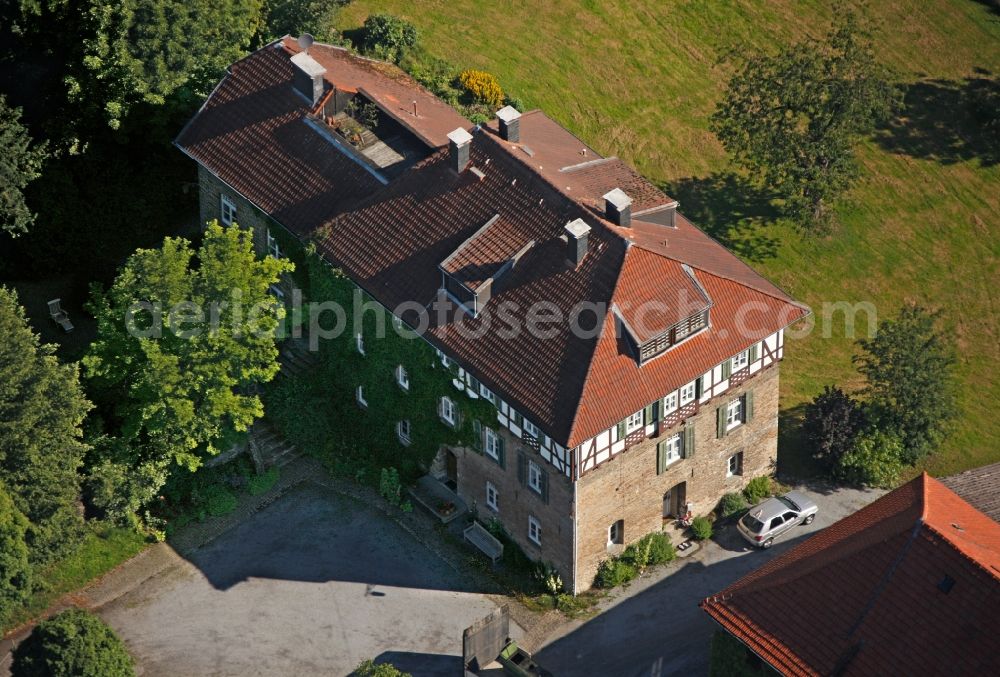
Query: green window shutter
x=501, y=451
x=649, y=414
x=727, y=368
x=688, y=444
x=621, y=430
x=518, y=419
x=753, y=352
x=720, y=422
x=477, y=435
x=661, y=457
x=748, y=406
x=522, y=468
x=545, y=487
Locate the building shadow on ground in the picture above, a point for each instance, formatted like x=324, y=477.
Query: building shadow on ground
x=423, y=664
x=313, y=534
x=948, y=121
x=659, y=631
x=732, y=210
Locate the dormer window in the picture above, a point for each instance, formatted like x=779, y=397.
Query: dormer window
x=674, y=335
x=471, y=271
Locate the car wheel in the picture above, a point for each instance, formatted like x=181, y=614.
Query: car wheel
x=767, y=544
x=809, y=520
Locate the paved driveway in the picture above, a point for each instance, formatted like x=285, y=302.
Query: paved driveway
x=654, y=628
x=311, y=585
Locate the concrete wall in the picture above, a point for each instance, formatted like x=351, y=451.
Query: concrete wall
x=628, y=488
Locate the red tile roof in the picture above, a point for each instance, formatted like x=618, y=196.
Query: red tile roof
x=391, y=239
x=870, y=594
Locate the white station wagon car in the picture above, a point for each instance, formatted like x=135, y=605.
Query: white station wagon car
x=764, y=522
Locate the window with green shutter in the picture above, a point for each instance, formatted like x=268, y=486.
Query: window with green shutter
x=649, y=414
x=661, y=457
x=522, y=468
x=688, y=449
x=748, y=406
x=720, y=422
x=753, y=352
x=477, y=435
x=727, y=369
x=621, y=430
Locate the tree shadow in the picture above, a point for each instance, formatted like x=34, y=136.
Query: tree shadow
x=732, y=210
x=992, y=5
x=948, y=121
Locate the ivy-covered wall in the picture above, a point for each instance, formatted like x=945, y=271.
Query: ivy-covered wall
x=319, y=413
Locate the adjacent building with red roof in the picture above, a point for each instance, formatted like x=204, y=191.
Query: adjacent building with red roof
x=649, y=382
x=908, y=585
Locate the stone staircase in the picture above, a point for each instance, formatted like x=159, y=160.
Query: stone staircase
x=268, y=448
x=296, y=358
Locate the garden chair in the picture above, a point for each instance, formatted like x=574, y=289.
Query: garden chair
x=59, y=315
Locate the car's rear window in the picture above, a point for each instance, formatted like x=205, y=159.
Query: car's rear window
x=753, y=524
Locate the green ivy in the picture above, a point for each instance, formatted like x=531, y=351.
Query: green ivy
x=318, y=412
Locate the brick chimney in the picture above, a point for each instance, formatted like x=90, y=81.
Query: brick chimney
x=308, y=77
x=510, y=124
x=459, y=142
x=618, y=207
x=576, y=241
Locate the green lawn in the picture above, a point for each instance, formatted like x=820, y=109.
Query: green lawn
x=102, y=549
x=639, y=78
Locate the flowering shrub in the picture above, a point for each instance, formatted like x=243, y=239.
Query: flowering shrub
x=482, y=86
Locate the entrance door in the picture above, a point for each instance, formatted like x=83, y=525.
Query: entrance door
x=451, y=465
x=675, y=500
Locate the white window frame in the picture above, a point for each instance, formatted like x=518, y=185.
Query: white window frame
x=227, y=210
x=531, y=428
x=491, y=443
x=740, y=360
x=670, y=403
x=359, y=343
x=734, y=465
x=633, y=422
x=675, y=448
x=534, y=530
x=402, y=378
x=734, y=413
x=487, y=393
x=272, y=246
x=614, y=538
x=688, y=392
x=534, y=477
x=448, y=411
x=403, y=431
x=492, y=497
x=359, y=395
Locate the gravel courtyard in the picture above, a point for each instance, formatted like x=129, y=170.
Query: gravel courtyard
x=312, y=584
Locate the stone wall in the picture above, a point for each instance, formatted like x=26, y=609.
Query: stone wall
x=517, y=502
x=210, y=190
x=628, y=488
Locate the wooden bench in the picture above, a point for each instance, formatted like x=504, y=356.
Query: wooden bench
x=476, y=534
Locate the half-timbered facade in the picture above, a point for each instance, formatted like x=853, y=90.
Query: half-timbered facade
x=632, y=360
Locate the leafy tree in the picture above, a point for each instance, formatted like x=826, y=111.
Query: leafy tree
x=73, y=643
x=832, y=420
x=369, y=668
x=119, y=52
x=20, y=164
x=15, y=570
x=792, y=118
x=387, y=36
x=909, y=368
x=41, y=410
x=179, y=379
x=294, y=17
x=874, y=460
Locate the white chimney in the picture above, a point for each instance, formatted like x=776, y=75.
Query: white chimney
x=308, y=77
x=618, y=207
x=576, y=241
x=510, y=124
x=459, y=142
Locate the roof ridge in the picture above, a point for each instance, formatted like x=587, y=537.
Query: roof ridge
x=596, y=341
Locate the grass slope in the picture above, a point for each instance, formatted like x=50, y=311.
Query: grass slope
x=639, y=78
